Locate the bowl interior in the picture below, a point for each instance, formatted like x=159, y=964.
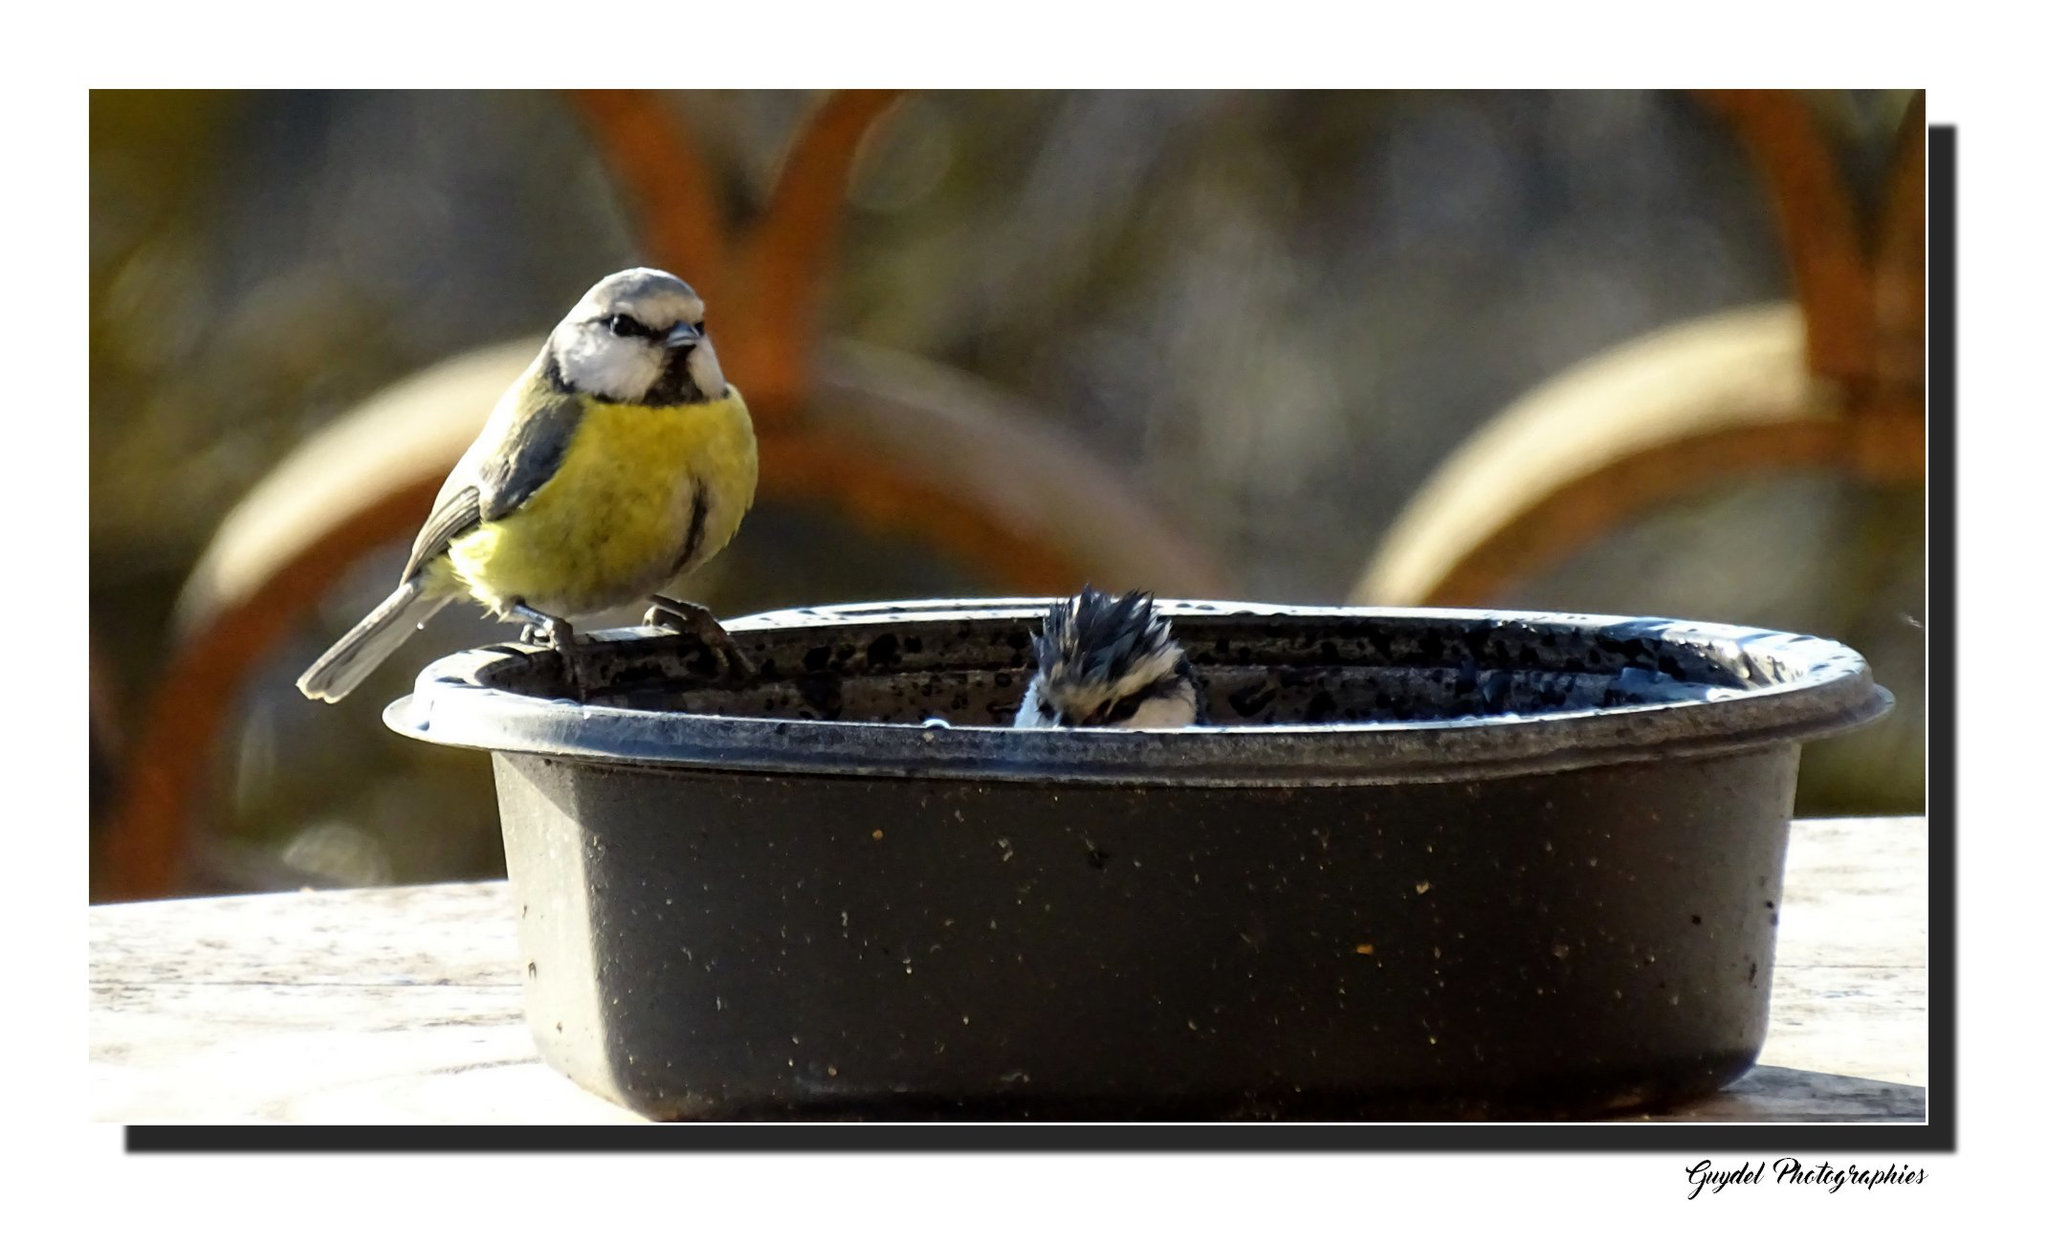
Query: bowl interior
x=971, y=668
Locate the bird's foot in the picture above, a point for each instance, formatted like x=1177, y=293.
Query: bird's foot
x=558, y=635
x=541, y=628
x=689, y=618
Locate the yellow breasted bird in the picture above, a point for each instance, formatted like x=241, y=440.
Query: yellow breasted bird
x=618, y=462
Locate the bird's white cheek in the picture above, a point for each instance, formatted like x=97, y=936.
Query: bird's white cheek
x=1027, y=713
x=609, y=368
x=705, y=372
x=1165, y=712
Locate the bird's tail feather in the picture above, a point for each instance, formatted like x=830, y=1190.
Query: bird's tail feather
x=369, y=642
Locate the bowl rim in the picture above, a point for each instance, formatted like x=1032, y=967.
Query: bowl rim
x=1816, y=687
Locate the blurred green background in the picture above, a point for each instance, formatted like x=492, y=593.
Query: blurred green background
x=1271, y=314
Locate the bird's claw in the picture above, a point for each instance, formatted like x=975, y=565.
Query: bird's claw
x=689, y=618
x=556, y=634
x=541, y=628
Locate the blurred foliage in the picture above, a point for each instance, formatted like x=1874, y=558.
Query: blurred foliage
x=1275, y=311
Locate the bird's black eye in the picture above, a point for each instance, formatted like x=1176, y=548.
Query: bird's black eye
x=699, y=326
x=627, y=326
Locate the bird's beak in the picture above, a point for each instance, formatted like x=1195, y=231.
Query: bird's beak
x=682, y=336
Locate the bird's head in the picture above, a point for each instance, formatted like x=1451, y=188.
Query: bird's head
x=637, y=337
x=1109, y=661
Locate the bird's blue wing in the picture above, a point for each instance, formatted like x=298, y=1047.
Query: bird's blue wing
x=498, y=474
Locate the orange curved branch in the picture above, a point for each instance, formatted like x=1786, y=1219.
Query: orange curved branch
x=1900, y=270
x=655, y=157
x=145, y=853
x=1818, y=222
x=789, y=252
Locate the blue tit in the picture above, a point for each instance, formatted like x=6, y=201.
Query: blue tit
x=1110, y=661
x=619, y=461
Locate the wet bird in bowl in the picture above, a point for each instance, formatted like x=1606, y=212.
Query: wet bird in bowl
x=1110, y=661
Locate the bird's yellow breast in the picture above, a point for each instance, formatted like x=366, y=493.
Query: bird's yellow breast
x=616, y=520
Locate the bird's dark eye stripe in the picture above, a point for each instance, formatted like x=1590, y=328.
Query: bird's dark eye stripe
x=626, y=326
x=1127, y=707
x=1124, y=709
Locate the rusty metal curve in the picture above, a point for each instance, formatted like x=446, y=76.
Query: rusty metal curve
x=1864, y=331
x=789, y=251
x=1899, y=264
x=1817, y=223
x=661, y=168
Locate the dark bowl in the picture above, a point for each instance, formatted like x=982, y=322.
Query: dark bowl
x=1425, y=864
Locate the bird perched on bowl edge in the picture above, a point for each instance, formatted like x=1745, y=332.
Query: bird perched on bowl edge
x=619, y=461
x=1110, y=661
